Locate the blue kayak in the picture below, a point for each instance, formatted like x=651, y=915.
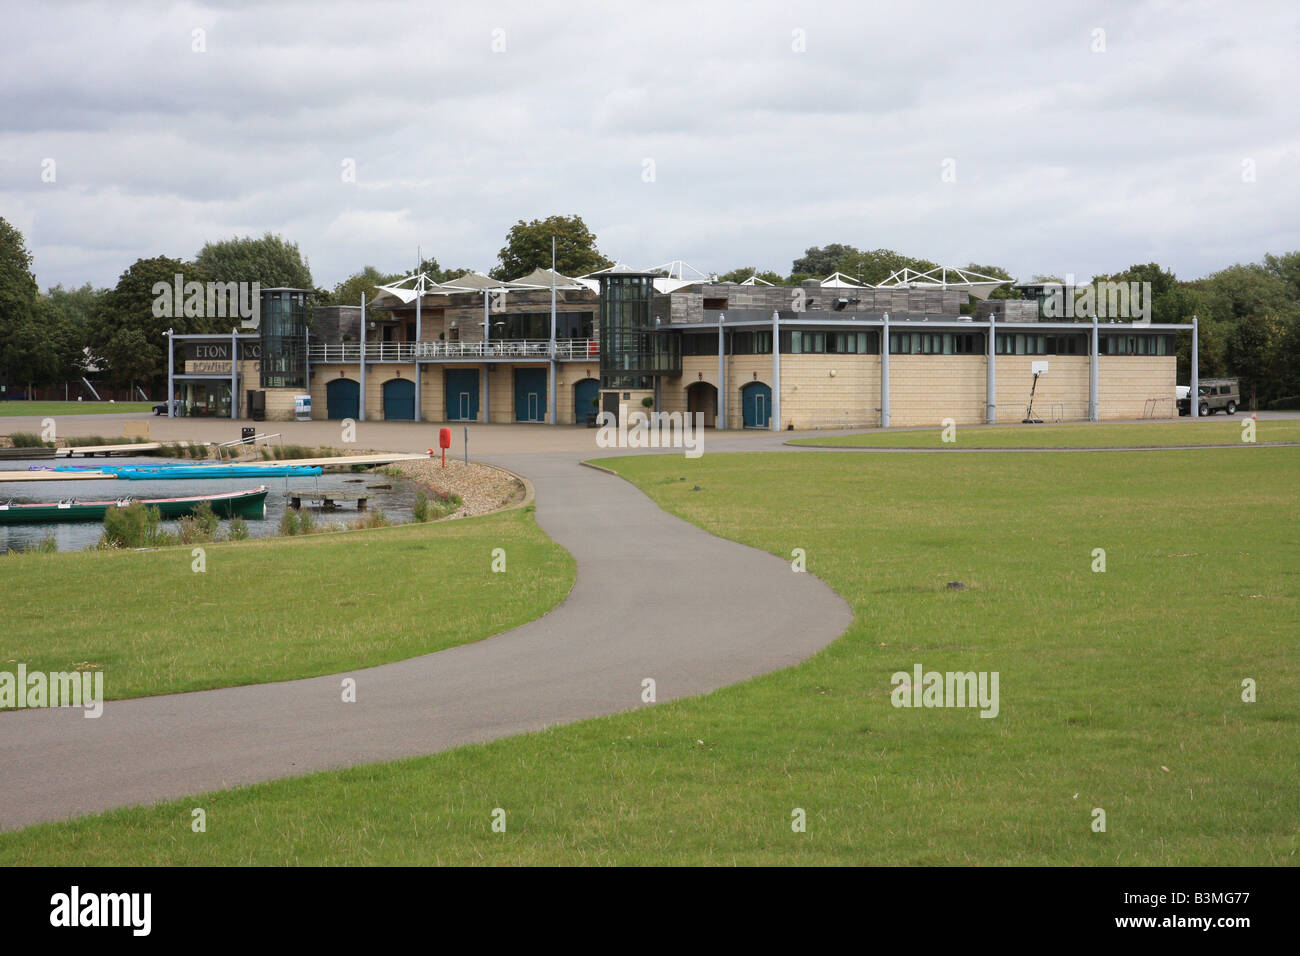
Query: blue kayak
x=195, y=470
x=218, y=471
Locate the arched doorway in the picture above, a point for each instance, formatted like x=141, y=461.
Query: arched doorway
x=586, y=394
x=756, y=402
x=342, y=398
x=702, y=397
x=399, y=400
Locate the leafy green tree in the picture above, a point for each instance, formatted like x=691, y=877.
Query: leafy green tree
x=1287, y=268
x=25, y=356
x=129, y=308
x=1247, y=315
x=269, y=260
x=348, y=292
x=69, y=319
x=821, y=261
x=876, y=265
x=528, y=247
x=437, y=273
x=1172, y=301
x=744, y=272
x=1252, y=350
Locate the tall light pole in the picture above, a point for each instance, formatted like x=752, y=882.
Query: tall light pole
x=361, y=410
x=551, y=385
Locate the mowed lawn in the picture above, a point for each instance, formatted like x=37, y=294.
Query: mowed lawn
x=1219, y=430
x=277, y=608
x=1118, y=690
x=29, y=409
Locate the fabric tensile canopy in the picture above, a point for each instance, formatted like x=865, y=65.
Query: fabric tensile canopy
x=977, y=284
x=838, y=280
x=542, y=278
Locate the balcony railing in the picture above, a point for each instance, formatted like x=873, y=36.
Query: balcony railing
x=321, y=353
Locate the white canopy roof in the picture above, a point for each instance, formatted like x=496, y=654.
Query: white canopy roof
x=542, y=279
x=978, y=285
x=838, y=280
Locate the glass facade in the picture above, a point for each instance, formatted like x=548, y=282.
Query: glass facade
x=793, y=342
x=284, y=338
x=204, y=400
x=1148, y=344
x=1031, y=343
x=632, y=351
x=936, y=343
x=831, y=343
x=537, y=325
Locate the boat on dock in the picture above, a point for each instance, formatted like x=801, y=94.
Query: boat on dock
x=243, y=504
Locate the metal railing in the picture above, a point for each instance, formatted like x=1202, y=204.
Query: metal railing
x=322, y=353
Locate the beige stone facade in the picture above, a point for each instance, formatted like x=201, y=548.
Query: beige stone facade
x=433, y=396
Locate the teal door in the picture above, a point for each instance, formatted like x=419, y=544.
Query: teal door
x=756, y=401
x=585, y=395
x=462, y=394
x=399, y=400
x=342, y=398
x=530, y=394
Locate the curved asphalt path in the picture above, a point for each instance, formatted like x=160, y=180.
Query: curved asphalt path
x=655, y=597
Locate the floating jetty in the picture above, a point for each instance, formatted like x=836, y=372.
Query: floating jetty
x=346, y=460
x=92, y=451
x=11, y=476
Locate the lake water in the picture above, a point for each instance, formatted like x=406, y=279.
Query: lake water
x=397, y=501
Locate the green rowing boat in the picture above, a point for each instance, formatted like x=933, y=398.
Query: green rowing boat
x=243, y=504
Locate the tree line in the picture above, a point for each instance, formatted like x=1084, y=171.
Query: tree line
x=1249, y=313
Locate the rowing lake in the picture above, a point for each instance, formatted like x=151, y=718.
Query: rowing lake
x=396, y=501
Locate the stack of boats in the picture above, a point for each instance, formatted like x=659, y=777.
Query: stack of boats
x=250, y=503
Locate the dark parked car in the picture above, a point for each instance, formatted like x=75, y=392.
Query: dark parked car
x=161, y=407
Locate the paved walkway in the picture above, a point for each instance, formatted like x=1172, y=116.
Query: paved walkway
x=655, y=597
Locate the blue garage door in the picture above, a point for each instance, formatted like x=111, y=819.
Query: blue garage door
x=585, y=394
x=462, y=394
x=756, y=400
x=530, y=394
x=399, y=400
x=342, y=398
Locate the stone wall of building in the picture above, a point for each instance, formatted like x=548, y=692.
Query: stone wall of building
x=692, y=304
x=926, y=389
x=1008, y=310
x=1125, y=382
x=813, y=397
x=1062, y=392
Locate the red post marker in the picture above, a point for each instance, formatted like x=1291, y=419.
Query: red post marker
x=444, y=442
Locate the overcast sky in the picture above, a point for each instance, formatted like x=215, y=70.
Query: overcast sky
x=725, y=134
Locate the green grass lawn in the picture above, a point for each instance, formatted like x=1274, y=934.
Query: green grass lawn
x=1219, y=430
x=276, y=608
x=1118, y=690
x=26, y=409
